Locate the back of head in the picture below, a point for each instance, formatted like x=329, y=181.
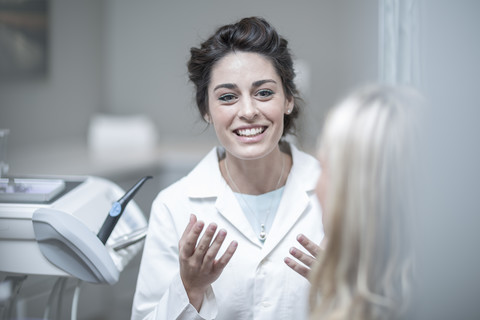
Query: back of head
x=367, y=145
x=251, y=34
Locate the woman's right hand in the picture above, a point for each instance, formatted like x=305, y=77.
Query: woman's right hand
x=198, y=266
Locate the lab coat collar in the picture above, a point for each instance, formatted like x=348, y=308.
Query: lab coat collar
x=206, y=178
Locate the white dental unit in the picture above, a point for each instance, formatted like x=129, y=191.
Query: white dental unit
x=50, y=226
x=87, y=199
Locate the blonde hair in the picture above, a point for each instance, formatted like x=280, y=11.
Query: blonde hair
x=366, y=269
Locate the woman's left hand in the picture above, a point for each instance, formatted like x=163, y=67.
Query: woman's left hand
x=307, y=260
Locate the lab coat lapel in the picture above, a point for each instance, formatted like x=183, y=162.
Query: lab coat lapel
x=295, y=201
x=296, y=198
x=228, y=206
x=207, y=182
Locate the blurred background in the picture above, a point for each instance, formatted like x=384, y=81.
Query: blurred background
x=79, y=77
x=124, y=58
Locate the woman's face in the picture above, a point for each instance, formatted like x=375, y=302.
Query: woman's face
x=247, y=104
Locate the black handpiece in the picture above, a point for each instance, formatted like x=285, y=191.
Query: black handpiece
x=117, y=209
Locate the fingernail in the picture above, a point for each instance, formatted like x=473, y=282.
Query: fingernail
x=300, y=237
x=292, y=250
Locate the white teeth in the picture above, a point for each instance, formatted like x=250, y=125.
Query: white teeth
x=250, y=132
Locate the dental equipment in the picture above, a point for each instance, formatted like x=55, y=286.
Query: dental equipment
x=117, y=209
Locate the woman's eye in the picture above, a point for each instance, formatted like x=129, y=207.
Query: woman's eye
x=227, y=97
x=264, y=93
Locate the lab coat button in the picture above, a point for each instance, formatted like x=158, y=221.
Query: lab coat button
x=266, y=304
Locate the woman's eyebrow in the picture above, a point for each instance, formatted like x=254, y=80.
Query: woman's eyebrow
x=261, y=82
x=226, y=85
x=232, y=86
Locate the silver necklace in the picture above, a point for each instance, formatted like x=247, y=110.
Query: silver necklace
x=263, y=233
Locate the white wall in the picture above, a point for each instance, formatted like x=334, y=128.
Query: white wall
x=449, y=221
x=58, y=106
x=129, y=57
x=148, y=46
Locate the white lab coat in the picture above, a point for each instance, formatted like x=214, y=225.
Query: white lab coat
x=256, y=284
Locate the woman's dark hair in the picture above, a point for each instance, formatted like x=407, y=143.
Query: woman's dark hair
x=248, y=35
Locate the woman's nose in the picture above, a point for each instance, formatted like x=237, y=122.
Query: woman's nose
x=248, y=109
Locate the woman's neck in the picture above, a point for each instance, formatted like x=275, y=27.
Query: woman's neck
x=257, y=176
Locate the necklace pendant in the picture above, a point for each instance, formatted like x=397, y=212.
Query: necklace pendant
x=263, y=234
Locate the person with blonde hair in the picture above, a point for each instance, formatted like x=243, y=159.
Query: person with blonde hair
x=366, y=191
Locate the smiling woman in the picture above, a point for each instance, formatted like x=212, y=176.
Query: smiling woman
x=247, y=108
x=257, y=188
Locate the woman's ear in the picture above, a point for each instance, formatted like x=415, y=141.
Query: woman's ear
x=289, y=105
x=207, y=118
